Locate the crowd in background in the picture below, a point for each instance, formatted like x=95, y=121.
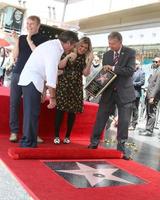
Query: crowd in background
x=6, y=66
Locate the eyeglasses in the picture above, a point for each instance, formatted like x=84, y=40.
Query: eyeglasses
x=155, y=61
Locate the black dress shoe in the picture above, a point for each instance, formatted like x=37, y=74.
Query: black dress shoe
x=131, y=128
x=121, y=146
x=92, y=146
x=146, y=133
x=25, y=146
x=141, y=130
x=125, y=157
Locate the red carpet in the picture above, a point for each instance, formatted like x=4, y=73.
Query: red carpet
x=44, y=184
x=62, y=153
x=81, y=130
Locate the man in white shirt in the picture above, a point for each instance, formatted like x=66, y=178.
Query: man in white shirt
x=40, y=70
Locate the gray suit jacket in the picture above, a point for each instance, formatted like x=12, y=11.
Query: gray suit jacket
x=138, y=81
x=124, y=70
x=153, y=89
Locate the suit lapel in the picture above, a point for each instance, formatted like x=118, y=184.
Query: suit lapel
x=111, y=57
x=122, y=54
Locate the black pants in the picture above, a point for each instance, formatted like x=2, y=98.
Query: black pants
x=124, y=114
x=15, y=100
x=134, y=119
x=151, y=115
x=58, y=121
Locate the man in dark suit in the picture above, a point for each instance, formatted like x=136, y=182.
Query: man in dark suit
x=152, y=97
x=121, y=60
x=138, y=82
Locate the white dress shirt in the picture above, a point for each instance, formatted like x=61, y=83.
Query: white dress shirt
x=42, y=65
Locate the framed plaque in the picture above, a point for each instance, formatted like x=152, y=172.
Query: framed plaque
x=13, y=19
x=99, y=82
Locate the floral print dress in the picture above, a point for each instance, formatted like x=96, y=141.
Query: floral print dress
x=69, y=90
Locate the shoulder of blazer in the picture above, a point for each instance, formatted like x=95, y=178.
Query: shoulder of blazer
x=128, y=50
x=109, y=53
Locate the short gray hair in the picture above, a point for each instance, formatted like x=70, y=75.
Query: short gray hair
x=115, y=35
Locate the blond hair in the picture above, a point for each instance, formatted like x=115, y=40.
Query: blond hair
x=34, y=18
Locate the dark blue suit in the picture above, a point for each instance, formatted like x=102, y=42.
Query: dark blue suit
x=120, y=92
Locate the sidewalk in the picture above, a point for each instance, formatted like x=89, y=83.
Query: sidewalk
x=10, y=188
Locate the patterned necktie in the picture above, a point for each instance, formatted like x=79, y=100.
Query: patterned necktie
x=116, y=56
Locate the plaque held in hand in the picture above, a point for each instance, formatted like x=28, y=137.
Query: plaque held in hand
x=100, y=81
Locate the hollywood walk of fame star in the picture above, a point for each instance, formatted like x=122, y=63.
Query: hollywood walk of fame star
x=95, y=176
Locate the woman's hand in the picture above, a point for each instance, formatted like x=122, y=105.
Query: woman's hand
x=72, y=56
x=90, y=57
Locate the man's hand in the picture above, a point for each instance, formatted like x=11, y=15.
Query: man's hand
x=107, y=67
x=151, y=100
x=60, y=72
x=52, y=103
x=43, y=98
x=29, y=40
x=29, y=35
x=14, y=35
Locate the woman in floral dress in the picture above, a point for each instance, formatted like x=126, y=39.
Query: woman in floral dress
x=69, y=91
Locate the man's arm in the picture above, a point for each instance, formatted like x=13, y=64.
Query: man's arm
x=16, y=47
x=51, y=61
x=52, y=97
x=127, y=69
x=156, y=88
x=30, y=42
